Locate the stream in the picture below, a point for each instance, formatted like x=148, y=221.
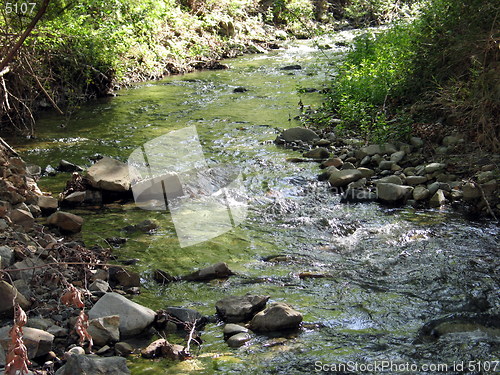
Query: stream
x=390, y=271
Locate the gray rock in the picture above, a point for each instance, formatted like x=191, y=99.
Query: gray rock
x=471, y=191
x=452, y=140
x=58, y=331
x=365, y=161
x=299, y=134
x=185, y=315
x=66, y=221
x=47, y=204
x=105, y=330
x=23, y=287
x=37, y=342
x=344, y=177
x=66, y=166
x=109, y=174
x=438, y=199
x=276, y=317
x=99, y=286
x=392, y=193
x=24, y=266
x=398, y=156
x=232, y=329
x=434, y=167
x=3, y=225
x=389, y=180
x=386, y=165
x=39, y=323
x=123, y=349
x=134, y=318
x=433, y=187
x=234, y=309
x=371, y=150
x=317, y=153
x=8, y=294
x=23, y=218
x=94, y=365
x=75, y=198
x=486, y=176
x=6, y=255
x=334, y=162
x=420, y=193
x=215, y=271
x=238, y=340
x=348, y=165
x=415, y=180
x=416, y=142
x=366, y=172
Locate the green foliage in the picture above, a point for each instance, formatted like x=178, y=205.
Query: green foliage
x=376, y=12
x=372, y=75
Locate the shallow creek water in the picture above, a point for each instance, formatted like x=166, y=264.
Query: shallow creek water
x=390, y=271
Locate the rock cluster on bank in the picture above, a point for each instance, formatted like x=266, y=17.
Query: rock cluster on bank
x=399, y=173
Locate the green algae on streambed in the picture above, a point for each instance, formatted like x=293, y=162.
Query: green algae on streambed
x=389, y=270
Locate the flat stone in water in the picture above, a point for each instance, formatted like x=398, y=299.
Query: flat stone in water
x=238, y=340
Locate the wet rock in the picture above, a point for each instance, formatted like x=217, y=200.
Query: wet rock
x=438, y=199
x=240, y=89
x=215, y=271
x=116, y=241
x=93, y=365
x=276, y=317
x=354, y=195
x=23, y=218
x=234, y=309
x=144, y=226
x=415, y=180
x=6, y=256
x=163, y=277
x=434, y=167
x=317, y=153
x=348, y=165
x=238, y=340
x=344, y=177
x=180, y=316
x=292, y=67
x=232, y=329
x=9, y=295
x=66, y=221
x=298, y=134
x=486, y=176
x=392, y=193
x=134, y=318
x=123, y=349
x=109, y=174
x=105, y=330
x=66, y=166
x=47, y=204
x=37, y=342
x=124, y=277
x=421, y=193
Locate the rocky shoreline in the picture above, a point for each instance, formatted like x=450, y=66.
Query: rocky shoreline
x=79, y=315
x=398, y=173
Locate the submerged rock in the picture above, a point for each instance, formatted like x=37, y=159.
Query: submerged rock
x=238, y=340
x=215, y=271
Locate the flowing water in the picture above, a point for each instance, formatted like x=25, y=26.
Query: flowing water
x=390, y=271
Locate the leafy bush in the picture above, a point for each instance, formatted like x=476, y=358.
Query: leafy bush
x=372, y=77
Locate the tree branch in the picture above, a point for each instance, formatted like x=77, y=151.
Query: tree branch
x=25, y=34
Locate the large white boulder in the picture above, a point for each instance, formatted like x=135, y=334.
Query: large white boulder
x=134, y=318
x=109, y=174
